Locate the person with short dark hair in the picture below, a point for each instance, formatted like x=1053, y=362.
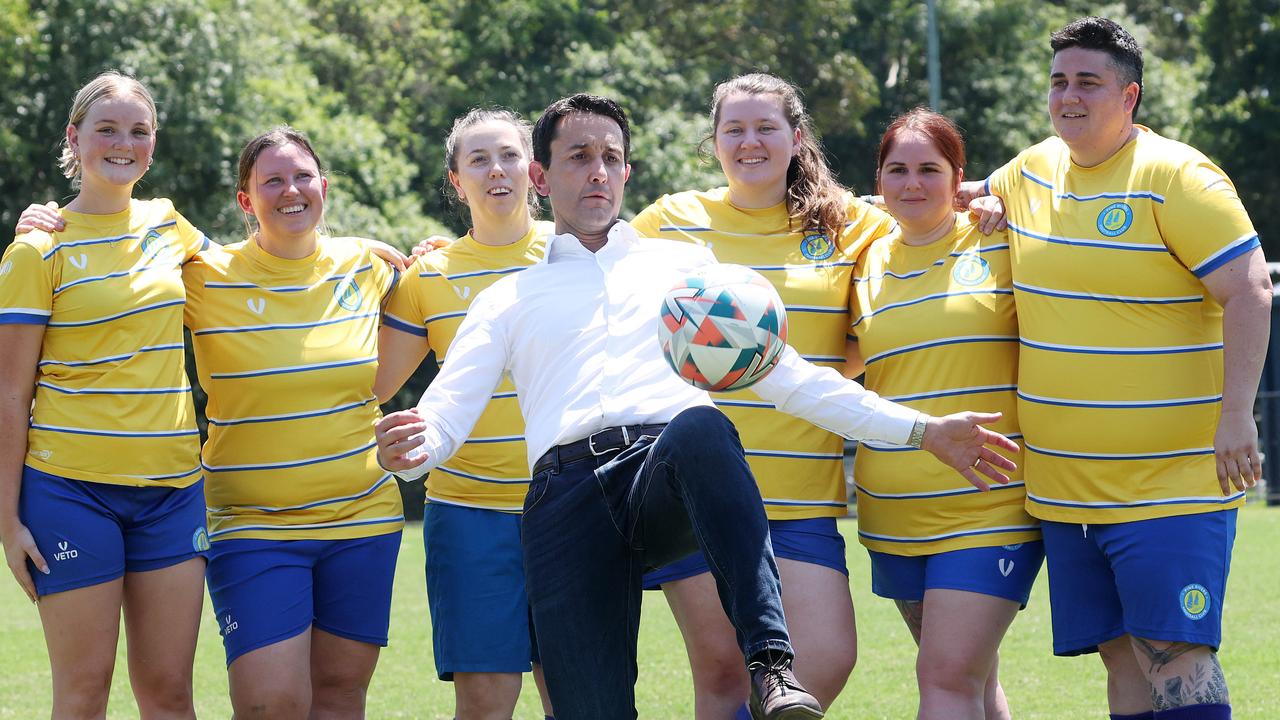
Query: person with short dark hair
x=1143, y=307
x=632, y=467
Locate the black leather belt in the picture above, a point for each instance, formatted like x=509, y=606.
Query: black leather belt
x=599, y=443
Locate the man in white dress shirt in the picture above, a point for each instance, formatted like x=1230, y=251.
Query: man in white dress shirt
x=632, y=467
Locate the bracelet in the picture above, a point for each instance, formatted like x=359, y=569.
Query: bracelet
x=916, y=439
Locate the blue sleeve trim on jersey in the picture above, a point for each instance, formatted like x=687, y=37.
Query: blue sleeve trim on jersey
x=1035, y=179
x=398, y=324
x=204, y=242
x=1230, y=253
x=986, y=185
x=395, y=280
x=20, y=318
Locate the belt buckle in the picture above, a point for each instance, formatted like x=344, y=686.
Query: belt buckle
x=591, y=441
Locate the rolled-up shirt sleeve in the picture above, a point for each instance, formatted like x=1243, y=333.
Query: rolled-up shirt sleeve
x=457, y=396
x=827, y=399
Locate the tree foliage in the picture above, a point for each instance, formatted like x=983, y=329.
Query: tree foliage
x=377, y=83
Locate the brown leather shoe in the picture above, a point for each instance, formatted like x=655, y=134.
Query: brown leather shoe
x=777, y=695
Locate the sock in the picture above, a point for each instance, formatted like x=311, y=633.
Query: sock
x=744, y=713
x=1148, y=715
x=1196, y=712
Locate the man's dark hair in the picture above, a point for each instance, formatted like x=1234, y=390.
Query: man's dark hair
x=544, y=131
x=1096, y=33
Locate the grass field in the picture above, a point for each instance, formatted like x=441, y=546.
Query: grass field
x=882, y=686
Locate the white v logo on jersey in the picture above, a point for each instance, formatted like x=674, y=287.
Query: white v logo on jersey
x=1034, y=205
x=1006, y=566
x=462, y=292
x=62, y=545
x=256, y=304
x=80, y=261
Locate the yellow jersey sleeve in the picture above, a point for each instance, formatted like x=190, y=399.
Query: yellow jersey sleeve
x=937, y=330
x=26, y=281
x=1202, y=220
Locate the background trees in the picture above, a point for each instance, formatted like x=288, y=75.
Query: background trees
x=377, y=83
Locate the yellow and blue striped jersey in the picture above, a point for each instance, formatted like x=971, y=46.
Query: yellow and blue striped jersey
x=287, y=351
x=112, y=401
x=798, y=466
x=1120, y=375
x=490, y=471
x=937, y=330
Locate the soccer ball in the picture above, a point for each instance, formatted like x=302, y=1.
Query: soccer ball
x=723, y=328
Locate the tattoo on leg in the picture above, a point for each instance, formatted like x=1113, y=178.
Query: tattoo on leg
x=1204, y=684
x=1161, y=657
x=913, y=613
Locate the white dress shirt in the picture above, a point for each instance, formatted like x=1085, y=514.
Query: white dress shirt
x=578, y=333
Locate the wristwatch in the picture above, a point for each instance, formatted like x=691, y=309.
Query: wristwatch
x=916, y=439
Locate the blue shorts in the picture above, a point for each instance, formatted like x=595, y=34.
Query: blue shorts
x=475, y=590
x=1159, y=579
x=91, y=533
x=812, y=540
x=1006, y=571
x=266, y=591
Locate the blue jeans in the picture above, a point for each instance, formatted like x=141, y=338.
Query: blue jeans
x=591, y=529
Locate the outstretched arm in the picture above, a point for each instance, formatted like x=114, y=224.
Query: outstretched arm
x=824, y=398
x=412, y=442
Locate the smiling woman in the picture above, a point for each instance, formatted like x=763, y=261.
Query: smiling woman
x=304, y=525
x=100, y=475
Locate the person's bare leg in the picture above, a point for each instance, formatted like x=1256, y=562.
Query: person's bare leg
x=720, y=682
x=340, y=673
x=959, y=641
x=162, y=621
x=273, y=682
x=1128, y=691
x=1180, y=673
x=485, y=696
x=81, y=630
x=819, y=611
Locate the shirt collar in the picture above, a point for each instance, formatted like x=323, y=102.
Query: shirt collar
x=567, y=245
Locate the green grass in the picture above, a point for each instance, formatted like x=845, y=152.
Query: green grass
x=882, y=686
